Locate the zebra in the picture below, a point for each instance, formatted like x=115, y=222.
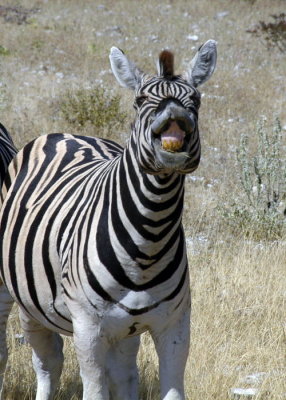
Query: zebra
x=92, y=243
x=7, y=152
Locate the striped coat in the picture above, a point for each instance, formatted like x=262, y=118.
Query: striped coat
x=92, y=242
x=7, y=152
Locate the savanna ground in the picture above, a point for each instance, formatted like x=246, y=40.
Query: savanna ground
x=54, y=56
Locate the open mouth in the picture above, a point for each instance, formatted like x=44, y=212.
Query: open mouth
x=173, y=137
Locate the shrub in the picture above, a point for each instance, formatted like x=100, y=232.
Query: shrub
x=260, y=209
x=17, y=14
x=273, y=32
x=95, y=106
x=4, y=51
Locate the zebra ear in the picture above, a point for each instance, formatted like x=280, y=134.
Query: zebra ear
x=203, y=64
x=126, y=73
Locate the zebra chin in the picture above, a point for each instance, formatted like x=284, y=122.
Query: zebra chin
x=179, y=163
x=183, y=162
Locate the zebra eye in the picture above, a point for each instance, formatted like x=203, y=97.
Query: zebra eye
x=140, y=100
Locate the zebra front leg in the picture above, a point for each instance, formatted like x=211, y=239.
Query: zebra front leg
x=47, y=356
x=6, y=303
x=122, y=369
x=91, y=347
x=172, y=346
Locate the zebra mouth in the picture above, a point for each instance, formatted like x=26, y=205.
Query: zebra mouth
x=173, y=137
x=172, y=140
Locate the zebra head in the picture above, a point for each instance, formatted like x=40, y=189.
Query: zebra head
x=165, y=134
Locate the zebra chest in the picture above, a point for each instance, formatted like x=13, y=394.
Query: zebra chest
x=130, y=315
x=126, y=293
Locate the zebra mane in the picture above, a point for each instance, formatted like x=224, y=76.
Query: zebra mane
x=166, y=64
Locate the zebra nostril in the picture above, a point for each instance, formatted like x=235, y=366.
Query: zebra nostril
x=186, y=124
x=172, y=113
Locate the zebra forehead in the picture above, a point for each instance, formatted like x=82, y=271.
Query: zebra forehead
x=159, y=86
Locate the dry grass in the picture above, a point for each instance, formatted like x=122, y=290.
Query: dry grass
x=239, y=291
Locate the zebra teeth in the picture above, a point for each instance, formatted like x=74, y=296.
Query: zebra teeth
x=173, y=138
x=171, y=145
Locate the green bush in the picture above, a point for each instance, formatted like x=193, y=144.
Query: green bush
x=259, y=210
x=95, y=106
x=4, y=51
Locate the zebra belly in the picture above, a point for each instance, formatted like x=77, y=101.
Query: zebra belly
x=32, y=274
x=40, y=304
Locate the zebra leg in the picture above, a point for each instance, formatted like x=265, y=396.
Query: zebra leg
x=172, y=346
x=47, y=356
x=92, y=347
x=6, y=303
x=122, y=369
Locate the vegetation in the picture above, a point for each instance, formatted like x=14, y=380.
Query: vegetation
x=273, y=32
x=16, y=14
x=237, y=279
x=4, y=51
x=260, y=210
x=94, y=106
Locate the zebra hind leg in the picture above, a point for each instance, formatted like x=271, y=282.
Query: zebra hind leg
x=47, y=356
x=6, y=303
x=122, y=369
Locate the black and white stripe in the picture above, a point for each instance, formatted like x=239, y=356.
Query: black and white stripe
x=92, y=242
x=7, y=152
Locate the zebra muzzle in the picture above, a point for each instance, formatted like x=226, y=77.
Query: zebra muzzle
x=173, y=127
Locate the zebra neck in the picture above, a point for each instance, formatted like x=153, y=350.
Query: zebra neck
x=154, y=196
x=149, y=210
